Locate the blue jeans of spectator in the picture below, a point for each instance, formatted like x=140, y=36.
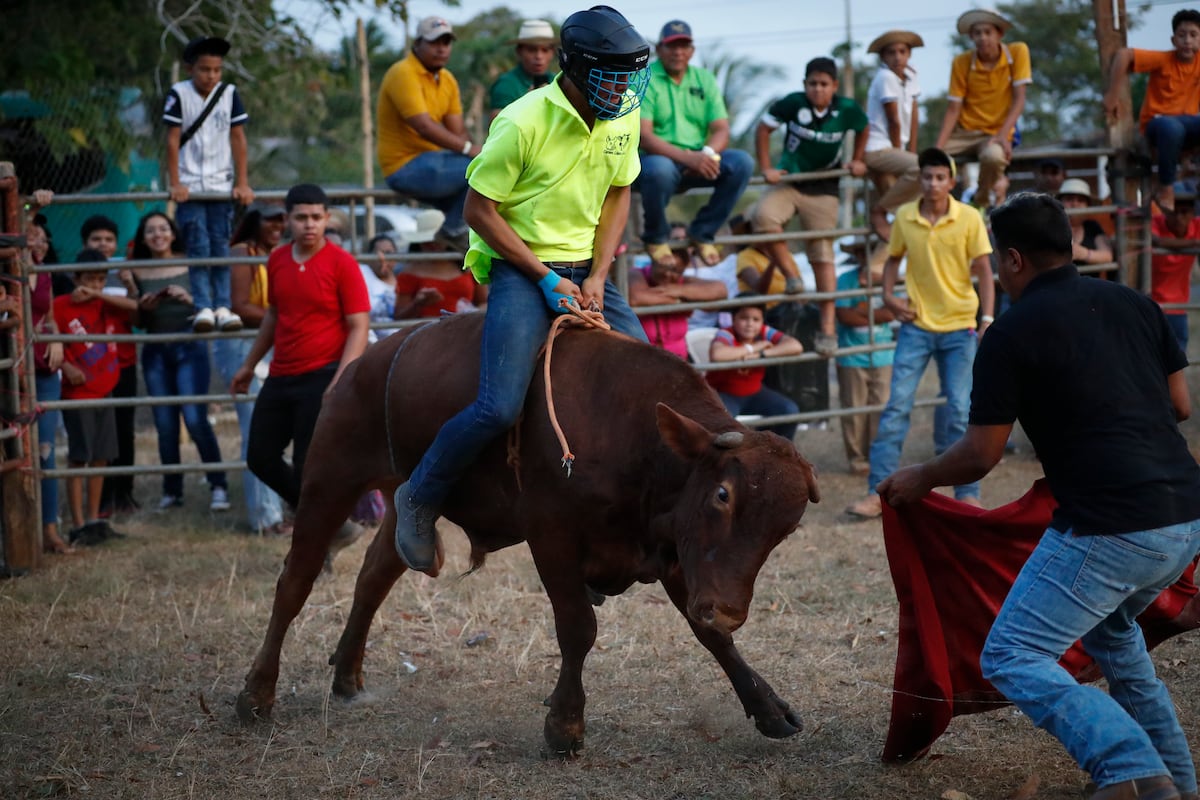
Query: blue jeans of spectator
x=1179, y=326
x=954, y=353
x=514, y=329
x=440, y=179
x=1170, y=136
x=49, y=387
x=1093, y=588
x=766, y=402
x=181, y=368
x=661, y=178
x=263, y=506
x=204, y=227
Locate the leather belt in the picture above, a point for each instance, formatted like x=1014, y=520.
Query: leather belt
x=586, y=263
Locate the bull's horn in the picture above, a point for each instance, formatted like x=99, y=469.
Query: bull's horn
x=729, y=440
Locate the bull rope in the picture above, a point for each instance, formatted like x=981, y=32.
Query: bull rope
x=574, y=317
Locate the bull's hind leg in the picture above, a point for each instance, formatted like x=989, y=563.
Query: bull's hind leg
x=772, y=716
x=380, y=570
x=324, y=504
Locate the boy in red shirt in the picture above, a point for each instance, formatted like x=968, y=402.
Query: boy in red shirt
x=90, y=371
x=1171, y=275
x=317, y=321
x=1169, y=118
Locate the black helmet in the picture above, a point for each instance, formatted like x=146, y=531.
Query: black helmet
x=607, y=59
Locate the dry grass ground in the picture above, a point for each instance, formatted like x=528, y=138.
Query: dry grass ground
x=120, y=667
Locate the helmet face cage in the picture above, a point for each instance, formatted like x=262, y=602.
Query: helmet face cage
x=614, y=93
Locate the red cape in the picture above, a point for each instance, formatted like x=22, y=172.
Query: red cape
x=952, y=566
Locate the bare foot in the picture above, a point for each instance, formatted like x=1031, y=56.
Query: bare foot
x=879, y=223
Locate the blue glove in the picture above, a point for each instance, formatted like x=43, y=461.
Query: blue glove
x=547, y=284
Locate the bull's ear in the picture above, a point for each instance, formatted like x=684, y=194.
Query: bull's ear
x=686, y=437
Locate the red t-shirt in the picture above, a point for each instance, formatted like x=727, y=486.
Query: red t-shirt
x=311, y=302
x=742, y=382
x=461, y=288
x=1171, y=275
x=98, y=360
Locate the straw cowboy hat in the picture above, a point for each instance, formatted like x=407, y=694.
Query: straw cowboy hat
x=535, y=31
x=891, y=37
x=977, y=15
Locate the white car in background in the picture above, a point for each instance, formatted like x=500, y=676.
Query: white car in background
x=403, y=224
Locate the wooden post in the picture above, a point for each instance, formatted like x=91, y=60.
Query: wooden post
x=21, y=512
x=368, y=130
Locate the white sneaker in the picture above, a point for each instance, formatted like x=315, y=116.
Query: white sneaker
x=227, y=320
x=203, y=321
x=220, y=500
x=169, y=501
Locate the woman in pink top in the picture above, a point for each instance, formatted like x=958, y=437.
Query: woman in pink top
x=661, y=284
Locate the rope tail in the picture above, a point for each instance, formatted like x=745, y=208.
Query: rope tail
x=574, y=317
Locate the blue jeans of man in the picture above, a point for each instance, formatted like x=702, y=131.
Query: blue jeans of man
x=1169, y=136
x=954, y=353
x=1093, y=588
x=661, y=178
x=49, y=387
x=514, y=329
x=204, y=227
x=172, y=369
x=439, y=178
x=263, y=506
x=768, y=403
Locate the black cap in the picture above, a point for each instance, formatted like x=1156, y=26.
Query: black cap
x=1051, y=162
x=204, y=46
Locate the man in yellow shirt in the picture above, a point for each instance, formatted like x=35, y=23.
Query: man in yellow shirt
x=547, y=205
x=987, y=96
x=945, y=242
x=423, y=147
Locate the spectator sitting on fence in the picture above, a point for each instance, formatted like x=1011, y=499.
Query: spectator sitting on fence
x=89, y=372
x=1171, y=273
x=741, y=390
x=429, y=288
x=891, y=154
x=815, y=124
x=863, y=378
x=259, y=232
x=177, y=368
x=535, y=44
x=206, y=152
x=987, y=96
x=423, y=147
x=1169, y=118
x=1088, y=241
x=658, y=284
x=724, y=271
x=684, y=144
x=946, y=243
x=1049, y=176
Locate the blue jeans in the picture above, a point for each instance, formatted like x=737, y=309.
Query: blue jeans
x=263, y=506
x=954, y=353
x=661, y=178
x=439, y=178
x=49, y=387
x=1094, y=587
x=1179, y=326
x=172, y=369
x=205, y=230
x=768, y=403
x=514, y=329
x=1170, y=136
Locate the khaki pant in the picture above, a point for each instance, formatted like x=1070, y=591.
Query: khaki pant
x=816, y=212
x=992, y=162
x=896, y=175
x=861, y=386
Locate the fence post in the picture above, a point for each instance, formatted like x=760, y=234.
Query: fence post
x=20, y=511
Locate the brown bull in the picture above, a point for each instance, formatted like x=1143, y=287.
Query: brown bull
x=666, y=487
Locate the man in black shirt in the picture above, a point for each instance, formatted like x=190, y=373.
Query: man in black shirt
x=1094, y=374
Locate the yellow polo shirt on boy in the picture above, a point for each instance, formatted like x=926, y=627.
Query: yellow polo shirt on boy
x=409, y=89
x=938, y=277
x=759, y=262
x=549, y=175
x=986, y=94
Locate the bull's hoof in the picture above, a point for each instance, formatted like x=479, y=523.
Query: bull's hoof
x=779, y=726
x=249, y=710
x=562, y=744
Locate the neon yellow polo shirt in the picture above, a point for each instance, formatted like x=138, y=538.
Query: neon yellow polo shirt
x=938, y=279
x=550, y=175
x=681, y=112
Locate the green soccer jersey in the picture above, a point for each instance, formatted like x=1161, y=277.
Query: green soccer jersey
x=813, y=141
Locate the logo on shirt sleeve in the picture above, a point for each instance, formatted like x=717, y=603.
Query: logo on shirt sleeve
x=170, y=103
x=616, y=144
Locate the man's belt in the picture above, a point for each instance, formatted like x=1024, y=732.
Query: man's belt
x=585, y=264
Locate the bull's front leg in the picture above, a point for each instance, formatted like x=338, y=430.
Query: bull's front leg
x=772, y=716
x=575, y=626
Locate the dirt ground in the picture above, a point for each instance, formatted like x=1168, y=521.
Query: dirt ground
x=120, y=667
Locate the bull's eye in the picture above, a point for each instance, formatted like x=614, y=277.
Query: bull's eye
x=722, y=494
